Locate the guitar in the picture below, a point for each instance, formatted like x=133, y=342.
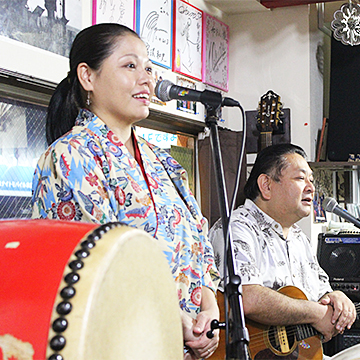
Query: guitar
x=294, y=342
x=268, y=118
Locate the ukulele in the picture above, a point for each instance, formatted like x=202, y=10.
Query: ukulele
x=292, y=342
x=268, y=118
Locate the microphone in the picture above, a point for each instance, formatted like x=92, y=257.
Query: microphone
x=331, y=205
x=165, y=90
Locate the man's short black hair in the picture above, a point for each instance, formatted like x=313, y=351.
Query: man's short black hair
x=270, y=161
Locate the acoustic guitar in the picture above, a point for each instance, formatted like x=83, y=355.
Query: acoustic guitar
x=268, y=118
x=293, y=342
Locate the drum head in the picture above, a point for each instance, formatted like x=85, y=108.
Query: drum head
x=125, y=306
x=352, y=353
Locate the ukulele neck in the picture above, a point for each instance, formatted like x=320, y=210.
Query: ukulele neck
x=265, y=139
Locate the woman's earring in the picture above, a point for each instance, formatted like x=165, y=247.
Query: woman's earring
x=88, y=101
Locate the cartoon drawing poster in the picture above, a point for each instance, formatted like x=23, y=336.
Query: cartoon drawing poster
x=154, y=25
x=188, y=24
x=215, y=53
x=114, y=11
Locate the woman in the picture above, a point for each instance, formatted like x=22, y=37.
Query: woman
x=100, y=171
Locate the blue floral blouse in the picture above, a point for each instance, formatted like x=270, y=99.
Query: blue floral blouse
x=89, y=175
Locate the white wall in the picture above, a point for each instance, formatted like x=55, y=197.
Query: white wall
x=277, y=50
x=209, y=9
x=272, y=50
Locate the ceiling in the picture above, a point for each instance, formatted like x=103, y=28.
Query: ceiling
x=246, y=6
x=237, y=6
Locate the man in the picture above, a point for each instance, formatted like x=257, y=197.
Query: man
x=271, y=251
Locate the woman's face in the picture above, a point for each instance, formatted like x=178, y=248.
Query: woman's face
x=123, y=86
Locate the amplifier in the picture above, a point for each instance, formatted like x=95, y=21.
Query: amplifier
x=342, y=341
x=339, y=256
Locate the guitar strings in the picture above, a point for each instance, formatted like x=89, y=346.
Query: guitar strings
x=357, y=307
x=258, y=338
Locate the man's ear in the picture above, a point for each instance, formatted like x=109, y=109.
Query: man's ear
x=85, y=75
x=264, y=183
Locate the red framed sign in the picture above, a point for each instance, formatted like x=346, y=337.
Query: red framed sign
x=188, y=32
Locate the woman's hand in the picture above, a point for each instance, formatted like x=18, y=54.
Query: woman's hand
x=194, y=331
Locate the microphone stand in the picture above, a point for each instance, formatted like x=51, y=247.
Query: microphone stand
x=237, y=348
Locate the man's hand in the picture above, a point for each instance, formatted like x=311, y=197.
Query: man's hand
x=344, y=312
x=324, y=325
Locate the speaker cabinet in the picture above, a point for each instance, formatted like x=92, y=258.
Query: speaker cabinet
x=342, y=341
x=344, y=109
x=339, y=256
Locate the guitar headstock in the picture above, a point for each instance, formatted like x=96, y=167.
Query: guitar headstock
x=269, y=112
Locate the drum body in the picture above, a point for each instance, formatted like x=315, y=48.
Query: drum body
x=83, y=291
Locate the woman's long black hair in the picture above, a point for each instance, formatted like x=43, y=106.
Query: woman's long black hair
x=91, y=46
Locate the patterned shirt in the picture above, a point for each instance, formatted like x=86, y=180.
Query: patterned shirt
x=89, y=175
x=264, y=257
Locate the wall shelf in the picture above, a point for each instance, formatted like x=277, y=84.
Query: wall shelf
x=335, y=165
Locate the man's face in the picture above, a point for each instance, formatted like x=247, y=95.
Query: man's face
x=292, y=196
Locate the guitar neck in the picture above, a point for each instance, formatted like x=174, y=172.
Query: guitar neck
x=265, y=139
x=305, y=331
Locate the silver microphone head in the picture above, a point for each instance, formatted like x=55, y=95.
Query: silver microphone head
x=329, y=204
x=162, y=90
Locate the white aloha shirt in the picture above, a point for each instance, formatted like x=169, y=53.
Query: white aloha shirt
x=263, y=256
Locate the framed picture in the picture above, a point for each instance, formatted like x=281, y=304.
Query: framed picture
x=215, y=53
x=114, y=11
x=154, y=25
x=48, y=25
x=187, y=50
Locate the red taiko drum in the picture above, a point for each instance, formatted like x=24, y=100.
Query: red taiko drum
x=79, y=291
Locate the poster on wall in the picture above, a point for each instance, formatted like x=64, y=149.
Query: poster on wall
x=215, y=53
x=187, y=56
x=48, y=25
x=159, y=74
x=114, y=11
x=159, y=138
x=184, y=105
x=154, y=25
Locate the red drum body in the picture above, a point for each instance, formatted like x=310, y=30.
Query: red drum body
x=76, y=291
